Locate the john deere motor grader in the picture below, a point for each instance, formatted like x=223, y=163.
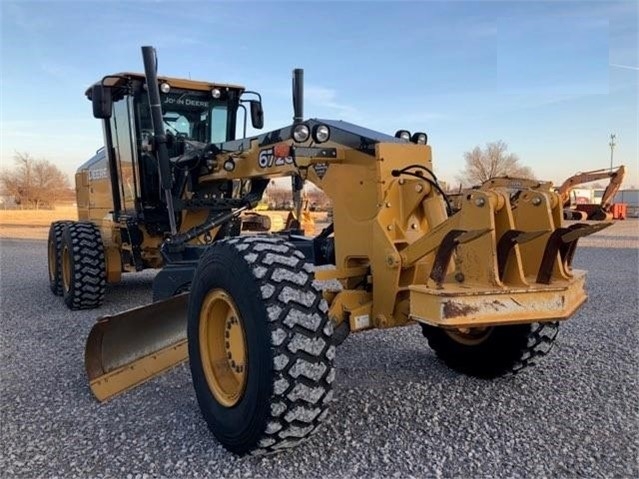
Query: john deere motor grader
x=259, y=316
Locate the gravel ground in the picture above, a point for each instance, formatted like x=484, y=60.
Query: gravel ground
x=400, y=412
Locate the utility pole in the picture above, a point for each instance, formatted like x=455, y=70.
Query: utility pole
x=612, y=147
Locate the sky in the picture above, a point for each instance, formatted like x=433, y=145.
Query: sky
x=551, y=79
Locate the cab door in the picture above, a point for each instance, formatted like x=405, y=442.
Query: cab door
x=126, y=153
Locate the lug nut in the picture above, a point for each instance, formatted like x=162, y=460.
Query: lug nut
x=480, y=201
x=536, y=201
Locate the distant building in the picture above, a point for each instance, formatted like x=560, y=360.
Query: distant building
x=582, y=196
x=631, y=198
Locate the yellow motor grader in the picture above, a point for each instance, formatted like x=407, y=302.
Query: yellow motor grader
x=259, y=316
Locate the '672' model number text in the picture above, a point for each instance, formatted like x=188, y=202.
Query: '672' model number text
x=268, y=160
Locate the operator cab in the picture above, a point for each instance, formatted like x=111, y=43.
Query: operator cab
x=194, y=114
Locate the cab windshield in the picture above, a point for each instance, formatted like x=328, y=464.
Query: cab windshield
x=188, y=114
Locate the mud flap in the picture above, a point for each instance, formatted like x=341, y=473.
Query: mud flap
x=129, y=348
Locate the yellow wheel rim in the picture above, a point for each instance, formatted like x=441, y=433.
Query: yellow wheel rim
x=223, y=347
x=470, y=336
x=66, y=268
x=52, y=261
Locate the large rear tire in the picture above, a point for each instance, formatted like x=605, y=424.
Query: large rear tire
x=83, y=266
x=260, y=347
x=54, y=255
x=493, y=351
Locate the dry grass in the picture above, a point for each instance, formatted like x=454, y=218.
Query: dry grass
x=32, y=218
x=32, y=224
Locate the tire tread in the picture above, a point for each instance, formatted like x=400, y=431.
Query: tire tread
x=514, y=349
x=88, y=272
x=55, y=234
x=301, y=341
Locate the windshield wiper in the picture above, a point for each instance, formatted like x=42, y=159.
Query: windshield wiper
x=175, y=130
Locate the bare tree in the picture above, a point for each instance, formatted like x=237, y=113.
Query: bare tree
x=318, y=200
x=279, y=198
x=493, y=161
x=34, y=183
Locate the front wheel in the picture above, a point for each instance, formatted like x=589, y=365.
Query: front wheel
x=83, y=266
x=493, y=351
x=54, y=256
x=260, y=346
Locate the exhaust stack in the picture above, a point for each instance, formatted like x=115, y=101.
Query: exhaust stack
x=298, y=95
x=149, y=57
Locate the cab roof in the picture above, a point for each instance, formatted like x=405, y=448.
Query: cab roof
x=118, y=79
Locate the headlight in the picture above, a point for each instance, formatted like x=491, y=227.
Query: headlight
x=229, y=165
x=216, y=93
x=403, y=134
x=165, y=87
x=419, y=138
x=321, y=133
x=301, y=133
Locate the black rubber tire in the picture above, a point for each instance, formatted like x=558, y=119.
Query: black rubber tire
x=507, y=349
x=54, y=244
x=87, y=266
x=288, y=337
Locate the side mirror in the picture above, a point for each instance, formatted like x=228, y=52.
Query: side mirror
x=257, y=114
x=101, y=99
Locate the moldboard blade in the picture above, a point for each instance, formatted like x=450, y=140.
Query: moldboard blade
x=129, y=348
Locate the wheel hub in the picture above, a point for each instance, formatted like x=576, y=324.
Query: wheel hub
x=223, y=347
x=52, y=261
x=66, y=268
x=470, y=336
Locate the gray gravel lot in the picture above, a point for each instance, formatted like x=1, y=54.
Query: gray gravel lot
x=400, y=412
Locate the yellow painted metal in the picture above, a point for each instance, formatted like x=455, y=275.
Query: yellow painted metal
x=127, y=349
x=223, y=347
x=65, y=260
x=353, y=306
x=328, y=274
x=51, y=258
x=118, y=78
x=113, y=264
x=469, y=306
x=143, y=369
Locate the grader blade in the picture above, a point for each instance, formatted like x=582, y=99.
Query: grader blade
x=129, y=348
